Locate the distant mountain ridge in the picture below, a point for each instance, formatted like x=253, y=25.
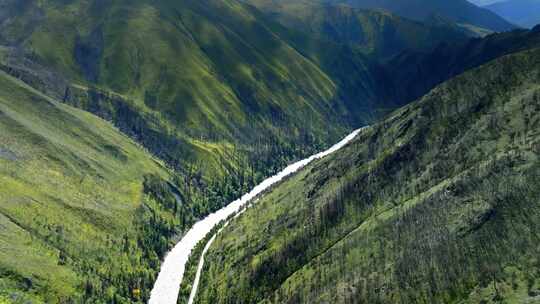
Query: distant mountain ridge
x=484, y=2
x=460, y=11
x=415, y=73
x=524, y=13
x=376, y=33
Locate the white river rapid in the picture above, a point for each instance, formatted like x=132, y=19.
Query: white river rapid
x=167, y=285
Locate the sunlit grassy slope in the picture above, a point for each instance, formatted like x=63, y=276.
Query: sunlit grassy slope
x=70, y=186
x=198, y=72
x=439, y=203
x=193, y=79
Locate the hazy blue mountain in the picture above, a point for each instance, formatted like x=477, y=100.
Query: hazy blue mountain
x=484, y=2
x=524, y=13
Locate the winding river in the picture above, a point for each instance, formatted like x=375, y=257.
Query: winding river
x=167, y=285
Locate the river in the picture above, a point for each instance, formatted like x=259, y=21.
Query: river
x=167, y=285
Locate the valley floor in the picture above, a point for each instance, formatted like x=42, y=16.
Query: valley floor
x=167, y=285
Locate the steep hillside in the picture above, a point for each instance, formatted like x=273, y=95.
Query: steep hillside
x=219, y=91
x=399, y=80
x=413, y=74
x=86, y=214
x=376, y=34
x=524, y=13
x=461, y=12
x=200, y=77
x=214, y=86
x=437, y=204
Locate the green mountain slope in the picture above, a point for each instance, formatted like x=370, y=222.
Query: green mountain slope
x=212, y=85
x=218, y=90
x=209, y=89
x=399, y=80
x=197, y=82
x=86, y=213
x=462, y=12
x=436, y=204
x=200, y=76
x=413, y=74
x=71, y=196
x=377, y=34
